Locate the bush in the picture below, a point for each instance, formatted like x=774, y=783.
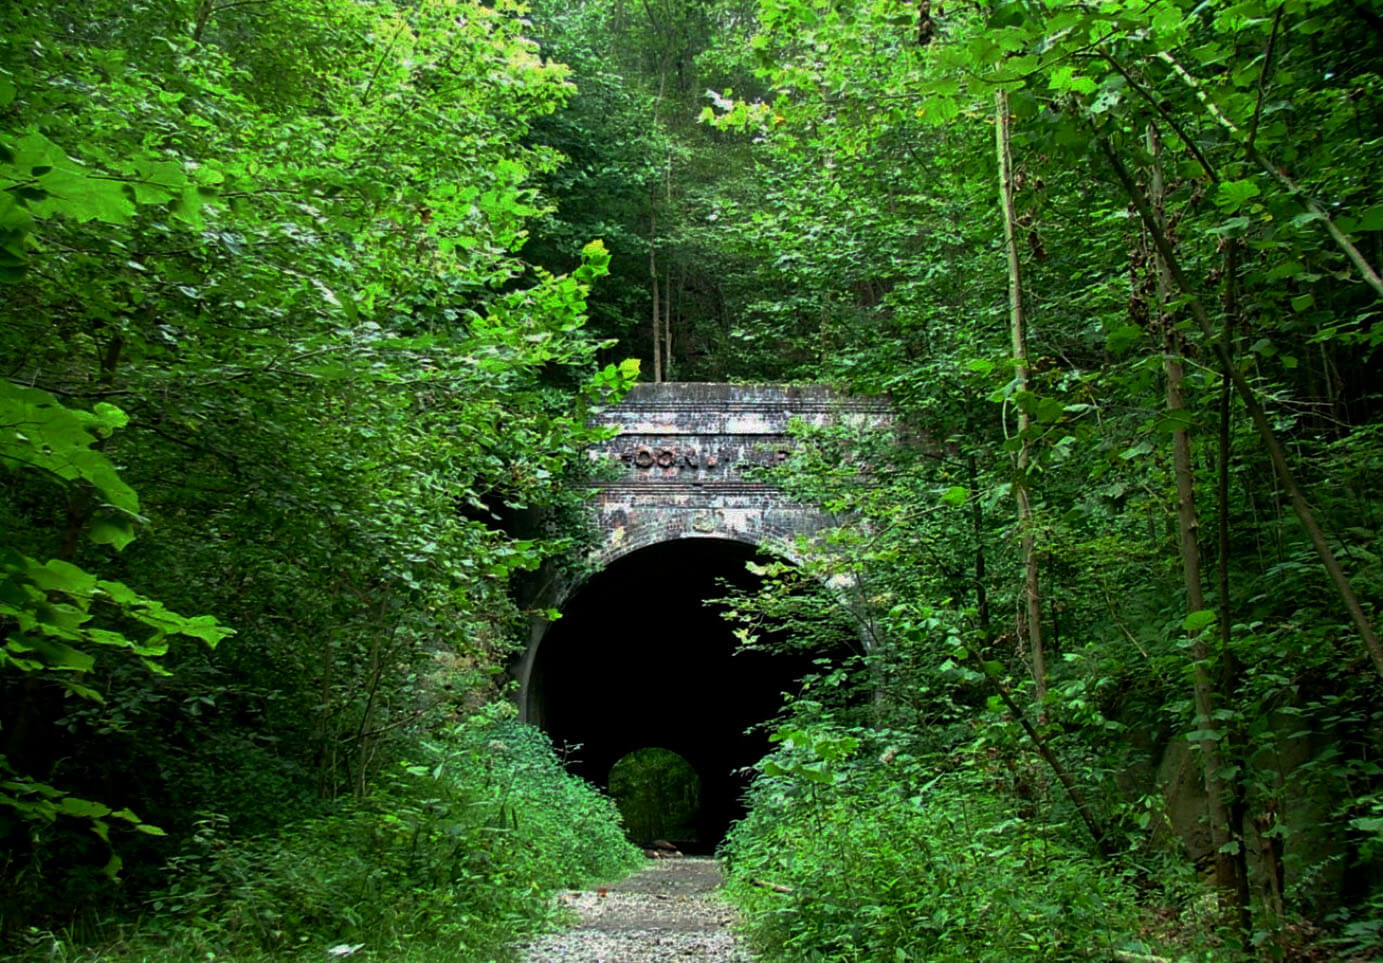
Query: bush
x=887, y=856
x=658, y=794
x=459, y=851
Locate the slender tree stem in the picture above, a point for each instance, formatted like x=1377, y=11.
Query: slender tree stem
x=653, y=283
x=1018, y=331
x=1073, y=791
x=1301, y=196
x=1229, y=668
x=1188, y=526
x=977, y=521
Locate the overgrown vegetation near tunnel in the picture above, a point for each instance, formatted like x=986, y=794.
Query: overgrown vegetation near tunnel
x=305, y=310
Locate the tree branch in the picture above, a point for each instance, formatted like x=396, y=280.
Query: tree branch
x=1298, y=193
x=1275, y=453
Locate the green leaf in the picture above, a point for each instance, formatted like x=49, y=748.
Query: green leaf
x=82, y=808
x=116, y=532
x=1065, y=79
x=955, y=495
x=38, y=432
x=59, y=576
x=1122, y=338
x=60, y=655
x=1196, y=621
x=1049, y=410
x=1232, y=195
x=1232, y=227
x=188, y=208
x=938, y=110
x=595, y=262
x=157, y=181
x=206, y=628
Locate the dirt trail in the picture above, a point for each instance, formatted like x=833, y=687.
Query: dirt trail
x=667, y=912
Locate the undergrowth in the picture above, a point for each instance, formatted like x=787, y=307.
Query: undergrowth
x=857, y=849
x=453, y=856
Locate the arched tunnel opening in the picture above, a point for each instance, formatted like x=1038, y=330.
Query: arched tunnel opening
x=639, y=660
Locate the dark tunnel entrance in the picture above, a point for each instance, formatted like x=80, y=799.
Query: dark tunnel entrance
x=638, y=660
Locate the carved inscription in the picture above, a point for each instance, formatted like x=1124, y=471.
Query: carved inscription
x=646, y=457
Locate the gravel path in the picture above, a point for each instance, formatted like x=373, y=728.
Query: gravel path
x=668, y=912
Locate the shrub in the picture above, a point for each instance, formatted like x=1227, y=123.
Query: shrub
x=658, y=794
x=856, y=850
x=459, y=850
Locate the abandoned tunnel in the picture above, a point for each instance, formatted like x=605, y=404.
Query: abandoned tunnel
x=639, y=660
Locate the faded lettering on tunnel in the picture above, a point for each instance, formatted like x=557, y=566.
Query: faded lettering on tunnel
x=684, y=453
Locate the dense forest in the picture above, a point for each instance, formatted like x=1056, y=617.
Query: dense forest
x=309, y=309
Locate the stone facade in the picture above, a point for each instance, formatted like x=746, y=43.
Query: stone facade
x=679, y=463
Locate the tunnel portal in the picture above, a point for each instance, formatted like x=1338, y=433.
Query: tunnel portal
x=639, y=660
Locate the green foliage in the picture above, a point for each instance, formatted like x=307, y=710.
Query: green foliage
x=279, y=249
x=457, y=850
x=46, y=609
x=658, y=794
x=670, y=196
x=889, y=851
x=882, y=268
x=40, y=434
x=326, y=269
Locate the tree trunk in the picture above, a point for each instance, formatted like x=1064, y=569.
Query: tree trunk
x=653, y=283
x=1187, y=529
x=1018, y=330
x=667, y=282
x=667, y=322
x=977, y=522
x=1229, y=669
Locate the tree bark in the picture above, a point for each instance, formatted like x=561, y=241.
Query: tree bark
x=653, y=283
x=1018, y=332
x=1188, y=526
x=1073, y=791
x=1229, y=669
x=977, y=522
x=667, y=281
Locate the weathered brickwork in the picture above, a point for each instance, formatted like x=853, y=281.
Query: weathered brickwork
x=681, y=455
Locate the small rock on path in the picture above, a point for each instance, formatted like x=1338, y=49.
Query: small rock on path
x=671, y=911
